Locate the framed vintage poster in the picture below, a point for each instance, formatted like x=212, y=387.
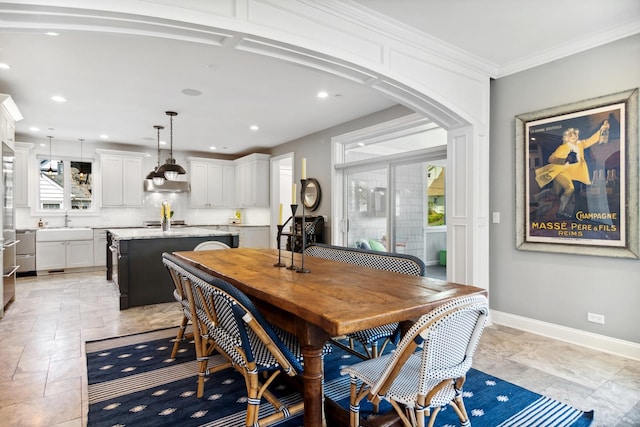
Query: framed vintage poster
x=577, y=178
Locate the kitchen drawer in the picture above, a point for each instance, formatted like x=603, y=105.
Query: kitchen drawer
x=27, y=242
x=26, y=263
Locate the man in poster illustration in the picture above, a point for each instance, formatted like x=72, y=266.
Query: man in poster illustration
x=567, y=164
x=576, y=194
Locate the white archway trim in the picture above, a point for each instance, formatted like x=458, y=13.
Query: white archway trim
x=424, y=74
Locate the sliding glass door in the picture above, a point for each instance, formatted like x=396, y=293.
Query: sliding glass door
x=390, y=189
x=367, y=207
x=397, y=207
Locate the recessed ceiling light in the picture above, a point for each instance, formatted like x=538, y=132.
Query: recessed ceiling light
x=361, y=144
x=34, y=129
x=163, y=142
x=52, y=33
x=212, y=148
x=323, y=94
x=191, y=92
x=44, y=145
x=58, y=98
x=254, y=127
x=4, y=66
x=104, y=136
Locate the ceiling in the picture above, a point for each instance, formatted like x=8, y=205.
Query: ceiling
x=516, y=34
x=122, y=85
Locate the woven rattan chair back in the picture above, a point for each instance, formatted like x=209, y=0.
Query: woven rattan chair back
x=388, y=261
x=439, y=347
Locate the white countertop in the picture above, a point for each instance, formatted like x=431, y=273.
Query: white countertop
x=156, y=233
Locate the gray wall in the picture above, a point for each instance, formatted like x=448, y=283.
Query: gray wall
x=559, y=288
x=317, y=149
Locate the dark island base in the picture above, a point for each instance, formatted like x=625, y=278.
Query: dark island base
x=141, y=277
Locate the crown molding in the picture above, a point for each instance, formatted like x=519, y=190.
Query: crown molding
x=568, y=49
x=389, y=28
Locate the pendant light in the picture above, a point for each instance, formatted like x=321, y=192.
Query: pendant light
x=171, y=169
x=155, y=175
x=81, y=174
x=50, y=171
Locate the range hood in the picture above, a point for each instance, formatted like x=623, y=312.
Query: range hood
x=167, y=186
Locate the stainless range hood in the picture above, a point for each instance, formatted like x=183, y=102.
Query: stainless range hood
x=167, y=186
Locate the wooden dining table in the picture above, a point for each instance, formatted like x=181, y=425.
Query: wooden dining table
x=332, y=299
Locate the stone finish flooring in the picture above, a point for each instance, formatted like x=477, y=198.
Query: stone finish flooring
x=43, y=379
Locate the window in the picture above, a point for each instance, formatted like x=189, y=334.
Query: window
x=435, y=192
x=65, y=184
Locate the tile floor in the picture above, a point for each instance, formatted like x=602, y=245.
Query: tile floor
x=43, y=369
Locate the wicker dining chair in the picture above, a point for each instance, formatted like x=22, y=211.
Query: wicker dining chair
x=399, y=263
x=180, y=296
x=226, y=320
x=419, y=383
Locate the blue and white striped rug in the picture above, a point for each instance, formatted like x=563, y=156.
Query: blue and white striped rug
x=134, y=382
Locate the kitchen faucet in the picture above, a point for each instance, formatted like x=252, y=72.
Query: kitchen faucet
x=66, y=219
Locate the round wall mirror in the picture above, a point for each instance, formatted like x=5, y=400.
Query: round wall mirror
x=312, y=194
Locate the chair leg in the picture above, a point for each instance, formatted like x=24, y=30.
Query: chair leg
x=354, y=404
x=202, y=373
x=176, y=344
x=253, y=400
x=458, y=403
x=432, y=418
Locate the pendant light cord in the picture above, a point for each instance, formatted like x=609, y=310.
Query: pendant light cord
x=171, y=135
x=81, y=174
x=158, y=127
x=50, y=171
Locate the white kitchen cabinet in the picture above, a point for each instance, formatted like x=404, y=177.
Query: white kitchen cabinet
x=51, y=255
x=252, y=180
x=250, y=236
x=58, y=248
x=212, y=183
x=59, y=255
x=122, y=178
x=8, y=115
x=21, y=176
x=79, y=253
x=99, y=247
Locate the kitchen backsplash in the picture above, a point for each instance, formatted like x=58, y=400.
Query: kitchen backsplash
x=120, y=217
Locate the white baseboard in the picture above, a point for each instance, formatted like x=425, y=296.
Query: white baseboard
x=602, y=343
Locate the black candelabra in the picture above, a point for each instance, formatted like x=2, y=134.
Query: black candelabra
x=294, y=208
x=279, y=243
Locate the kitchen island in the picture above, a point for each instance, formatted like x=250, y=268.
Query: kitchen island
x=134, y=260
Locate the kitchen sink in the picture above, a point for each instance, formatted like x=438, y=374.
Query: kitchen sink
x=64, y=233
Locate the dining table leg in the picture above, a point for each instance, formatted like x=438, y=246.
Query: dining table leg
x=312, y=340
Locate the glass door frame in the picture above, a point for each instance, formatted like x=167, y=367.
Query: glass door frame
x=388, y=162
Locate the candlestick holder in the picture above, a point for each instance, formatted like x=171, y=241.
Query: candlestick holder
x=303, y=227
x=294, y=208
x=279, y=243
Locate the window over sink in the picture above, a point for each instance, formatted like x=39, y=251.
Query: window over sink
x=65, y=184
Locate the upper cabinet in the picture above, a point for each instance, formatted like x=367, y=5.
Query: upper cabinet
x=252, y=180
x=212, y=183
x=21, y=175
x=122, y=178
x=9, y=115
